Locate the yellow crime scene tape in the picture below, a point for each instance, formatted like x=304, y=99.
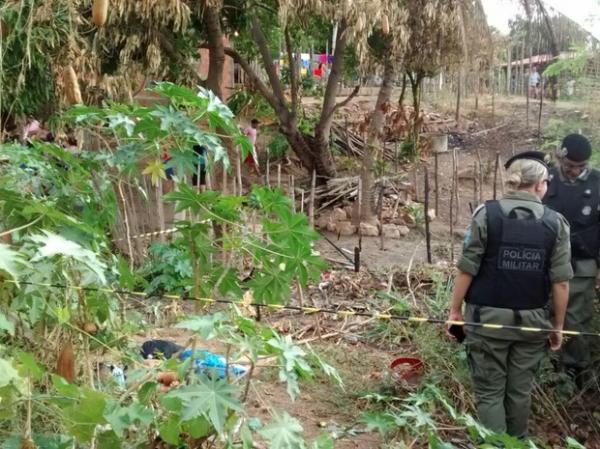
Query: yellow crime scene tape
x=308, y=310
x=149, y=234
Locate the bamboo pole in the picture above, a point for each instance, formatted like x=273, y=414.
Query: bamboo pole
x=311, y=203
x=427, y=230
x=268, y=171
x=496, y=167
x=278, y=175
x=380, y=216
x=453, y=187
x=238, y=168
x=302, y=201
x=539, y=127
x=160, y=209
x=436, y=180
x=456, y=187
x=475, y=178
x=292, y=192
x=480, y=174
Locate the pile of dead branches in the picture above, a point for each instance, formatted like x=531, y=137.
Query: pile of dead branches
x=338, y=190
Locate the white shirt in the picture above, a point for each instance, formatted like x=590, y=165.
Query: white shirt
x=534, y=79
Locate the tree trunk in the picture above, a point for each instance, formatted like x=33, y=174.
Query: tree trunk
x=375, y=140
x=402, y=91
x=216, y=49
x=553, y=45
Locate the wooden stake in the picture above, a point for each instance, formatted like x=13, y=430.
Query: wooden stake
x=300, y=294
x=480, y=174
x=501, y=173
x=427, y=231
x=452, y=205
x=416, y=180
x=268, y=172
x=437, y=190
x=496, y=166
x=456, y=187
x=238, y=168
x=292, y=192
x=475, y=196
x=380, y=215
x=160, y=209
x=301, y=201
x=311, y=203
x=278, y=175
x=540, y=111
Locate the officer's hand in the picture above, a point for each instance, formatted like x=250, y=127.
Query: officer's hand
x=555, y=341
x=453, y=316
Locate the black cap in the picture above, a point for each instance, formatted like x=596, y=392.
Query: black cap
x=538, y=156
x=576, y=148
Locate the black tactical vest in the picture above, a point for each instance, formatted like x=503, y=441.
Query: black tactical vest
x=514, y=270
x=578, y=203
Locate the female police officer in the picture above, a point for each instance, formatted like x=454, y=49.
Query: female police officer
x=516, y=253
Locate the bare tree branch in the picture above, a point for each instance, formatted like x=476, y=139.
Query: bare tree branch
x=334, y=79
x=265, y=92
x=263, y=47
x=343, y=103
x=294, y=82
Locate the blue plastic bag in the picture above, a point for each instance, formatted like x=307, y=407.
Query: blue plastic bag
x=207, y=362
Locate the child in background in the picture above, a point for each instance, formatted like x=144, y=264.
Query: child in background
x=252, y=133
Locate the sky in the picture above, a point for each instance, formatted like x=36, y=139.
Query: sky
x=586, y=13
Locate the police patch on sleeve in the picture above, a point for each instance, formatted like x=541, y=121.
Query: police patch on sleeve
x=530, y=260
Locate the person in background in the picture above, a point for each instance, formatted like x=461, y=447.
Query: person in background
x=515, y=254
x=252, y=133
x=199, y=177
x=574, y=191
x=534, y=82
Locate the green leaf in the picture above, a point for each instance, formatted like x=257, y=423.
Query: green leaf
x=324, y=441
x=293, y=364
x=51, y=245
x=135, y=414
x=574, y=444
x=11, y=261
x=284, y=432
x=62, y=314
x=211, y=398
x=206, y=326
x=8, y=373
x=6, y=325
x=436, y=443
x=146, y=392
x=329, y=370
x=29, y=367
x=246, y=436
x=381, y=422
x=198, y=427
x=169, y=430
x=83, y=417
x=156, y=170
x=108, y=440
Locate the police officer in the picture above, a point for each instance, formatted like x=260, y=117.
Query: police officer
x=516, y=252
x=574, y=192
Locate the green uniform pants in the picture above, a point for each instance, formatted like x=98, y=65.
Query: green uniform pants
x=503, y=373
x=576, y=349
